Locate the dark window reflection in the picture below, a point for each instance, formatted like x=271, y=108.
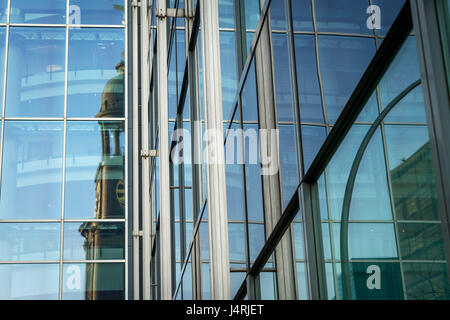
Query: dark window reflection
x=29, y=241
x=42, y=11
x=426, y=281
x=29, y=281
x=35, y=78
x=343, y=61
x=94, y=241
x=96, y=73
x=95, y=170
x=109, y=12
x=32, y=170
x=94, y=281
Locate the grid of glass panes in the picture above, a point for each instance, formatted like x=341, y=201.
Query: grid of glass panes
x=63, y=146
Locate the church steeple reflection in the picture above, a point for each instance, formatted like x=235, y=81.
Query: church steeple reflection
x=110, y=193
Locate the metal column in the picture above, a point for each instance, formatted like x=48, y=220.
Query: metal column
x=271, y=181
x=216, y=189
x=164, y=183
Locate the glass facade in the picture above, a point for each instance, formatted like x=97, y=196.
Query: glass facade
x=63, y=184
x=322, y=109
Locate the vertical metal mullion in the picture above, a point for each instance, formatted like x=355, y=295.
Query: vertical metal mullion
x=126, y=151
x=5, y=72
x=63, y=180
x=240, y=31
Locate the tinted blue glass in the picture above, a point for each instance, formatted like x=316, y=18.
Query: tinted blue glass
x=342, y=62
x=282, y=79
x=233, y=171
x=172, y=82
x=299, y=241
x=108, y=12
x=29, y=241
x=409, y=109
x=256, y=239
x=236, y=236
x=278, y=15
x=307, y=79
x=96, y=73
x=36, y=60
x=236, y=279
x=389, y=11
x=367, y=241
x=326, y=240
x=249, y=96
x=302, y=15
x=268, y=285
x=2, y=57
x=312, y=139
x=253, y=174
x=403, y=71
x=289, y=165
x=95, y=170
x=228, y=67
x=187, y=282
x=94, y=241
x=3, y=10
x=251, y=14
x=302, y=281
x=342, y=16
x=32, y=170
x=421, y=241
x=370, y=111
x=44, y=11
x=226, y=16
x=339, y=168
x=370, y=199
x=409, y=154
x=94, y=281
x=29, y=281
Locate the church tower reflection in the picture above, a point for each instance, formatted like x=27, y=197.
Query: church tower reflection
x=110, y=194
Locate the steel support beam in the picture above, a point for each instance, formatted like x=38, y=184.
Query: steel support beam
x=437, y=103
x=271, y=181
x=136, y=180
x=216, y=189
x=196, y=147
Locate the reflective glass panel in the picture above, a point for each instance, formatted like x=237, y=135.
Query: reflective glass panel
x=257, y=239
x=32, y=170
x=226, y=16
x=307, y=79
x=228, y=69
x=268, y=285
x=278, y=14
x=288, y=157
x=251, y=14
x=347, y=16
x=29, y=241
x=42, y=11
x=110, y=12
x=94, y=281
x=3, y=10
x=94, y=241
x=302, y=15
x=2, y=57
x=96, y=73
x=426, y=281
x=95, y=170
x=29, y=281
x=343, y=61
x=389, y=11
x=237, y=242
x=313, y=137
x=35, y=77
x=421, y=241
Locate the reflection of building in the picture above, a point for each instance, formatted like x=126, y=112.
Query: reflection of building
x=110, y=192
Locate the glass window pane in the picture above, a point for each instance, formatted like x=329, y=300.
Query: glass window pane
x=43, y=11
x=347, y=16
x=110, y=12
x=251, y=14
x=310, y=100
x=302, y=15
x=289, y=165
x=35, y=77
x=389, y=11
x=426, y=281
x=312, y=139
x=236, y=279
x=29, y=281
x=94, y=281
x=421, y=241
x=29, y=241
x=278, y=15
x=237, y=241
x=226, y=16
x=413, y=184
x=95, y=170
x=302, y=281
x=32, y=170
x=367, y=241
x=299, y=241
x=2, y=57
x=3, y=10
x=268, y=285
x=257, y=239
x=229, y=71
x=343, y=61
x=249, y=96
x=94, y=241
x=96, y=73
